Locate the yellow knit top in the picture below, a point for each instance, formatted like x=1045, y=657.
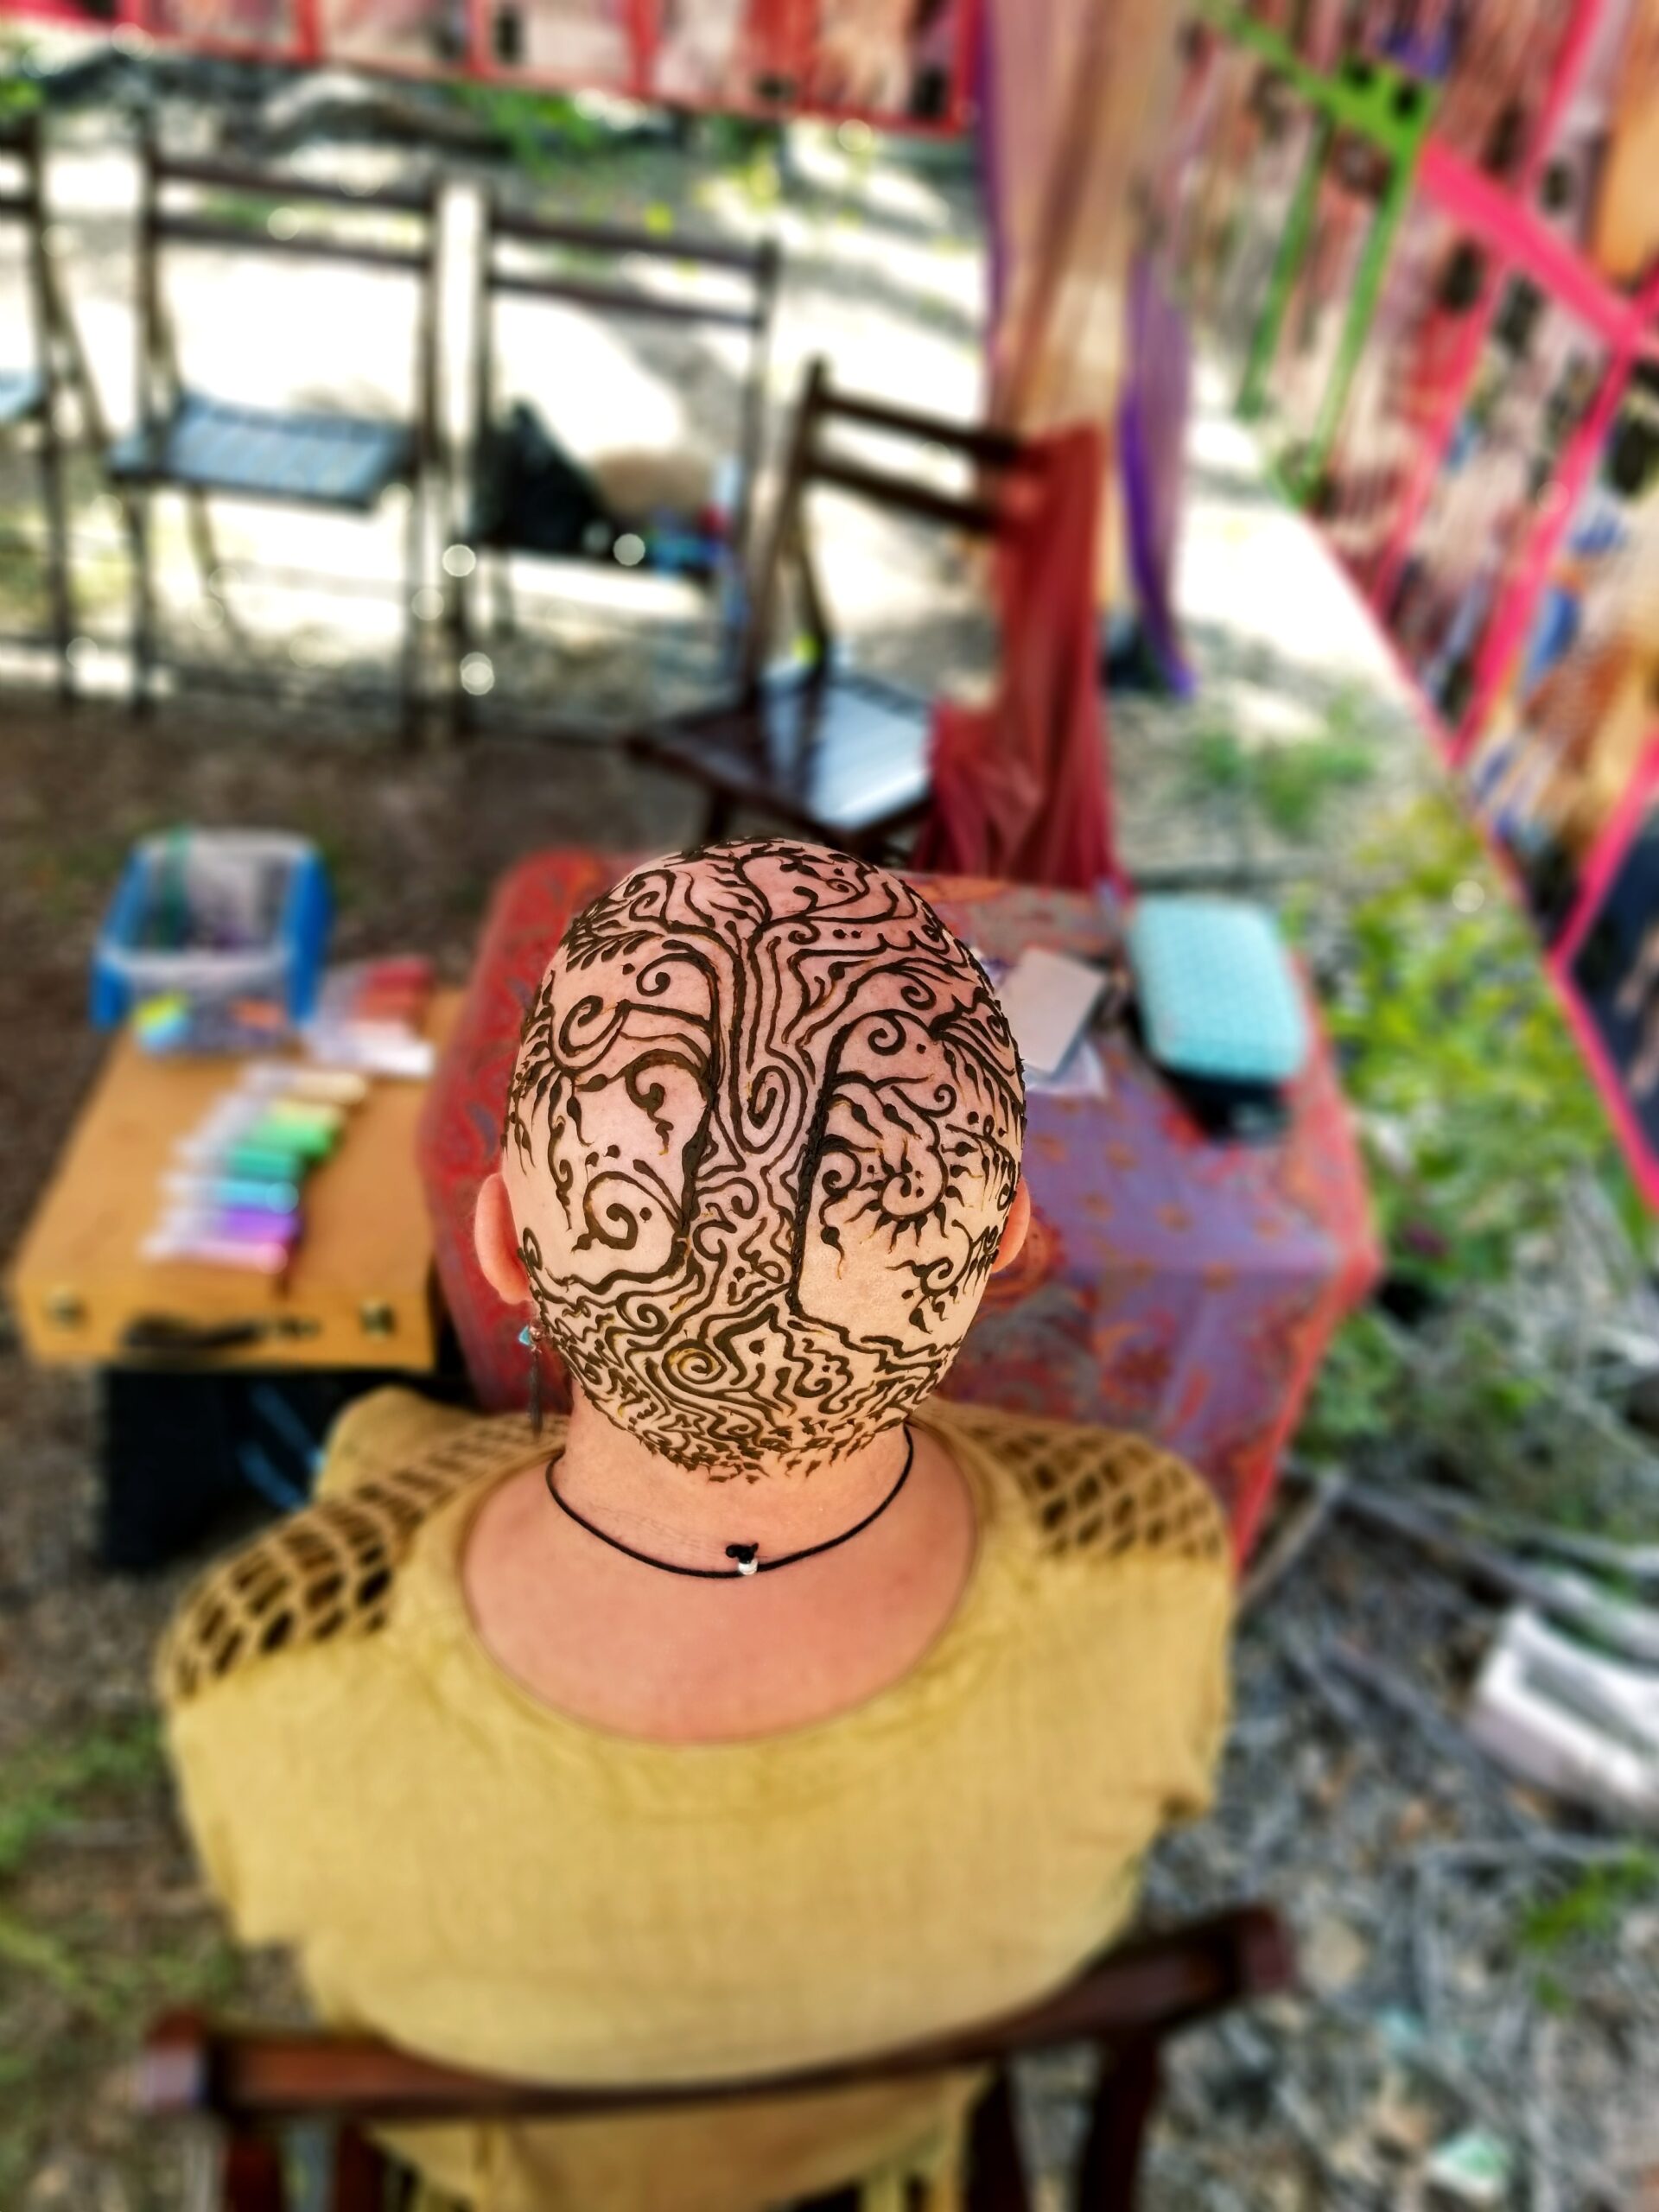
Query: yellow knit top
x=501, y=1886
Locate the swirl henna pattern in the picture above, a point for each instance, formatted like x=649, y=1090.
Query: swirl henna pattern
x=780, y=1115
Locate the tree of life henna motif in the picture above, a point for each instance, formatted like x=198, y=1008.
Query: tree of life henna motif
x=782, y=1114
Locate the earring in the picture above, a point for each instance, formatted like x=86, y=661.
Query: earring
x=533, y=1336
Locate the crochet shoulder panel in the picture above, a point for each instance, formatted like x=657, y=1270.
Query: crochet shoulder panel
x=328, y=1571
x=1099, y=1492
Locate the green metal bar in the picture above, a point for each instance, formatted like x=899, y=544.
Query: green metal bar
x=1368, y=285
x=1393, y=112
x=1252, y=393
x=1389, y=105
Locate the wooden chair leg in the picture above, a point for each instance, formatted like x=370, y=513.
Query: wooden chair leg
x=199, y=528
x=251, y=2174
x=463, y=639
x=414, y=564
x=1131, y=2079
x=360, y=2174
x=996, y=2169
x=143, y=597
x=504, y=620
x=57, y=543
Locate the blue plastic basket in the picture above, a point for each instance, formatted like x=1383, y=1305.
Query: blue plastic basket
x=251, y=911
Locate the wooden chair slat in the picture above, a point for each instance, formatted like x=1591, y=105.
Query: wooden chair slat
x=201, y=230
x=899, y=493
x=270, y=184
x=996, y=449
x=625, y=299
x=623, y=238
x=1127, y=2005
x=1151, y=1985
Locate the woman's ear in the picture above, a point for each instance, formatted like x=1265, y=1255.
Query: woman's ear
x=1015, y=1229
x=495, y=1240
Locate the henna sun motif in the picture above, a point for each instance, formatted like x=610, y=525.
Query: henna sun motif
x=780, y=1115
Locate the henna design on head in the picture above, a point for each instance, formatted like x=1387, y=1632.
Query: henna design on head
x=767, y=1118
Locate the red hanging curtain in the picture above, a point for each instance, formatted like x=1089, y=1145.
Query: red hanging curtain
x=1020, y=788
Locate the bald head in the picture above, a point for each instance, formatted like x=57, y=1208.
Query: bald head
x=764, y=1137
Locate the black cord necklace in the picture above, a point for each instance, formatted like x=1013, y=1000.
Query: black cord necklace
x=747, y=1556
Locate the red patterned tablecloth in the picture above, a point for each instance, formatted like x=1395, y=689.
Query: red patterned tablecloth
x=1171, y=1284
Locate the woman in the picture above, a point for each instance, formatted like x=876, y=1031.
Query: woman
x=767, y=1710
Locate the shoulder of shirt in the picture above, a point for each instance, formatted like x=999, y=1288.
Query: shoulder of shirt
x=1095, y=1494
x=328, y=1573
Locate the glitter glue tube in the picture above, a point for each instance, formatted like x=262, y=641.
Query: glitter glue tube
x=247, y=1225
x=232, y=1120
x=318, y=1086
x=250, y=1226
x=310, y=1140
x=184, y=1241
x=248, y=1192
x=304, y=1113
x=262, y=1163
x=229, y=1119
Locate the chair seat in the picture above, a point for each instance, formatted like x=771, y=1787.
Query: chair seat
x=846, y=756
x=329, y=460
x=22, y=393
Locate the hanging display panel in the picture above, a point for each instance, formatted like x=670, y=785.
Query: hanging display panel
x=1406, y=381
x=1374, y=121
x=901, y=65
x=1572, y=730
x=1538, y=371
x=1493, y=60
x=1611, y=974
x=1595, y=188
x=1240, y=203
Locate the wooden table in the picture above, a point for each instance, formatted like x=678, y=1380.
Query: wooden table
x=358, y=1295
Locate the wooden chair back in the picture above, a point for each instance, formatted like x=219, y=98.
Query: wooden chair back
x=22, y=148
x=181, y=206
x=1125, y=2006
x=56, y=357
x=548, y=258
x=813, y=458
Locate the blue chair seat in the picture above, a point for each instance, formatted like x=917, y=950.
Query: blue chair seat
x=22, y=393
x=328, y=461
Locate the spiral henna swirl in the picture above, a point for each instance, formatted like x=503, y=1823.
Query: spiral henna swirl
x=769, y=1116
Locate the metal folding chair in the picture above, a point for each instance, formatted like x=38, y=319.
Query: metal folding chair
x=30, y=390
x=187, y=441
x=528, y=256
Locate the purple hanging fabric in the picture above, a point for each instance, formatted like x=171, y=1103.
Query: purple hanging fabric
x=990, y=160
x=1151, y=444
